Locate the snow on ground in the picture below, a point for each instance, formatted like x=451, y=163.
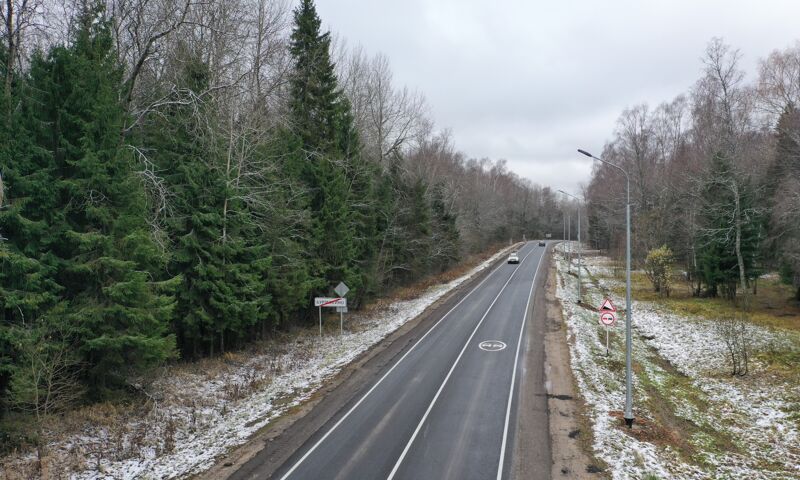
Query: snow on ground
x=203, y=414
x=751, y=413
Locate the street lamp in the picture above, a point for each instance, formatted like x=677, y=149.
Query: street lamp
x=628, y=386
x=568, y=238
x=579, y=241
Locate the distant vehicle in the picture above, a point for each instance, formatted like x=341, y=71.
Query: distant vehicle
x=541, y=243
x=513, y=258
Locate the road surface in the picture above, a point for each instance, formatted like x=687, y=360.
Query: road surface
x=446, y=406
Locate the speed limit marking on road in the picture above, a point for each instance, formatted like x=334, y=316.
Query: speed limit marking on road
x=608, y=318
x=492, y=345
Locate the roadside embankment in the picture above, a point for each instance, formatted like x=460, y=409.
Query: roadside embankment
x=693, y=418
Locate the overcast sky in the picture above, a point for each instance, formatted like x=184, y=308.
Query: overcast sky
x=532, y=81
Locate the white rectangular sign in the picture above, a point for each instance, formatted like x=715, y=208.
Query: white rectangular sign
x=330, y=302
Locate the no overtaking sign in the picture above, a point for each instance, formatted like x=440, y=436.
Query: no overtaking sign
x=608, y=313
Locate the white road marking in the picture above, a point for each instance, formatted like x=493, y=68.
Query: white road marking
x=492, y=345
x=311, y=450
x=514, y=374
x=447, y=377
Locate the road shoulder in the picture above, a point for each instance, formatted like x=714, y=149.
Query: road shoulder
x=570, y=430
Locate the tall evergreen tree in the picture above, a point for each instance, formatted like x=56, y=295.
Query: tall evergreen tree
x=718, y=261
x=327, y=157
x=93, y=238
x=27, y=271
x=783, y=177
x=217, y=253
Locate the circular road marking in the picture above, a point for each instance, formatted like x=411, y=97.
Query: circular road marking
x=492, y=345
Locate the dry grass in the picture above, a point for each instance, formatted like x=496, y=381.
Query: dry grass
x=773, y=306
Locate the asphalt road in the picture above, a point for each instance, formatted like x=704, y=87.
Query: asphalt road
x=444, y=409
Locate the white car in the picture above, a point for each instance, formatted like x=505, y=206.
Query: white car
x=513, y=258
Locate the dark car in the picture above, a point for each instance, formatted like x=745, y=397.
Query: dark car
x=541, y=243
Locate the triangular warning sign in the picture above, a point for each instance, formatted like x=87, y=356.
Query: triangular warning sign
x=607, y=306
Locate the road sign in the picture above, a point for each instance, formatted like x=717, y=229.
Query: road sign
x=608, y=318
x=547, y=235
x=330, y=302
x=341, y=309
x=607, y=306
x=341, y=289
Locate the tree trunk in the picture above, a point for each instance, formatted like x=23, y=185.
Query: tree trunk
x=11, y=47
x=738, y=225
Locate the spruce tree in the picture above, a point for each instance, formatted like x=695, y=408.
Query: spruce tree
x=96, y=238
x=717, y=259
x=27, y=272
x=218, y=255
x=327, y=157
x=782, y=176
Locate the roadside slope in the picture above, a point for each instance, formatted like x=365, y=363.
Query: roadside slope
x=198, y=412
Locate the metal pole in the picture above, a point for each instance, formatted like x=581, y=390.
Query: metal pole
x=569, y=246
x=607, y=341
x=564, y=235
x=341, y=323
x=628, y=309
x=320, y=321
x=579, y=241
x=579, y=253
x=628, y=339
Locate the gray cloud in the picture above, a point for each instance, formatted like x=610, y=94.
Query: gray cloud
x=531, y=81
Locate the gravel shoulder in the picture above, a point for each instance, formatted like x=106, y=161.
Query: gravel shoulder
x=570, y=429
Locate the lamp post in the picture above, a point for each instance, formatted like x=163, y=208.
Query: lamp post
x=579, y=241
x=569, y=241
x=567, y=236
x=628, y=340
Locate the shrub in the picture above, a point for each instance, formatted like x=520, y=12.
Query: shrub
x=658, y=268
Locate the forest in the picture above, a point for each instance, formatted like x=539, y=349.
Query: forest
x=182, y=177
x=715, y=176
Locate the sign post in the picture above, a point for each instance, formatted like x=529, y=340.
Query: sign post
x=328, y=302
x=608, y=317
x=341, y=290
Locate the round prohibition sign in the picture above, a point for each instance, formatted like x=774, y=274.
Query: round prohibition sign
x=608, y=318
x=492, y=345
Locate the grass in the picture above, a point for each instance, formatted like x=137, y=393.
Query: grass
x=772, y=306
x=693, y=436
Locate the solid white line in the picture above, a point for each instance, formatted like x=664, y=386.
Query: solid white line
x=311, y=450
x=446, y=378
x=514, y=375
